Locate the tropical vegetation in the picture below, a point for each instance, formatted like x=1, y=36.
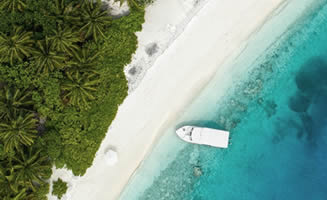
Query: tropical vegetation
x=61, y=81
x=59, y=188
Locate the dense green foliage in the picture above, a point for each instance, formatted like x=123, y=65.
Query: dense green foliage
x=61, y=81
x=59, y=188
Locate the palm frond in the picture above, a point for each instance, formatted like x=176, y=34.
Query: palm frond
x=19, y=130
x=12, y=100
x=47, y=59
x=16, y=46
x=12, y=5
x=64, y=40
x=95, y=20
x=80, y=88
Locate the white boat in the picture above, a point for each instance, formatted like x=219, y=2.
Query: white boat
x=205, y=136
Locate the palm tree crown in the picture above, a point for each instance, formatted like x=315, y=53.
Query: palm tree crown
x=31, y=168
x=12, y=100
x=66, y=13
x=94, y=19
x=15, y=46
x=85, y=60
x=63, y=40
x=80, y=88
x=47, y=59
x=20, y=130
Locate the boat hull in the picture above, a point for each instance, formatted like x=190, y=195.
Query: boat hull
x=204, y=136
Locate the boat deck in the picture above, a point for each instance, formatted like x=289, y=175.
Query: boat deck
x=205, y=136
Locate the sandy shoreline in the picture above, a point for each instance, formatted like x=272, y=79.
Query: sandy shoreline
x=159, y=32
x=216, y=32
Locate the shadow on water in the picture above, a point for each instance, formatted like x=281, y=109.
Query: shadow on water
x=299, y=102
x=310, y=100
x=312, y=77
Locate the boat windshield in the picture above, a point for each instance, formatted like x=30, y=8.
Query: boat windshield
x=190, y=133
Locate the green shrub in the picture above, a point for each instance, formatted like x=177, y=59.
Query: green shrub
x=59, y=188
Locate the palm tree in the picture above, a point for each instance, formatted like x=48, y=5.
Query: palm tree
x=13, y=100
x=16, y=46
x=7, y=181
x=12, y=5
x=94, y=19
x=19, y=130
x=10, y=189
x=79, y=88
x=66, y=13
x=84, y=59
x=63, y=40
x=31, y=169
x=19, y=196
x=46, y=58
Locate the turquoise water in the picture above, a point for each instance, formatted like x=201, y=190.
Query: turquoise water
x=277, y=115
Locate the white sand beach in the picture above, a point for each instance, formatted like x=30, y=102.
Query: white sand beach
x=192, y=43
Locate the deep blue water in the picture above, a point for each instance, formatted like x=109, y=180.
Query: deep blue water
x=278, y=122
